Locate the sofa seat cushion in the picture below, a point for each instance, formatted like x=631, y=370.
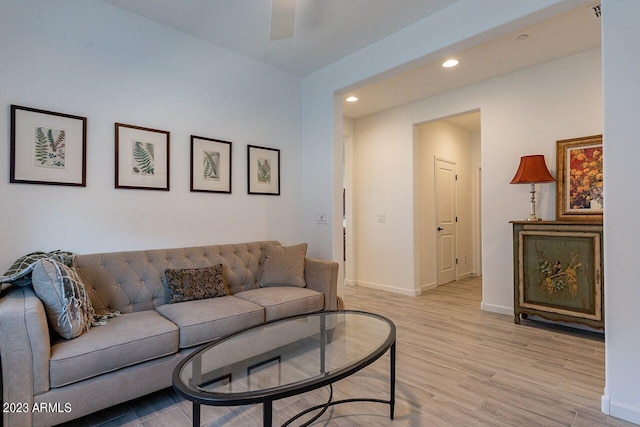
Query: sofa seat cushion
x=204, y=320
x=282, y=302
x=124, y=341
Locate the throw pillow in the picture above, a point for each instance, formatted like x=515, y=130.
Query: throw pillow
x=283, y=266
x=196, y=283
x=63, y=295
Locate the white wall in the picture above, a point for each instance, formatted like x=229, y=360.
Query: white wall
x=524, y=112
x=89, y=58
x=621, y=61
x=383, y=178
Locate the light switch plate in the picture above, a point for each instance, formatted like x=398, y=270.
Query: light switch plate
x=322, y=218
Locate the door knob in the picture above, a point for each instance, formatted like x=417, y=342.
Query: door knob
x=440, y=228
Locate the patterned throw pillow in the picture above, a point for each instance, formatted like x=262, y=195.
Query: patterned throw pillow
x=63, y=295
x=196, y=283
x=283, y=266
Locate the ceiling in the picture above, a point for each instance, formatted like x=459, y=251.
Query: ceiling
x=324, y=30
x=328, y=30
x=562, y=35
x=468, y=121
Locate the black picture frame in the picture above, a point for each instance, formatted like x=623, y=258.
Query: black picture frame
x=47, y=147
x=142, y=158
x=263, y=170
x=211, y=163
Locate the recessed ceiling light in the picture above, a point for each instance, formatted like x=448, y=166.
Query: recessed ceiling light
x=351, y=98
x=450, y=63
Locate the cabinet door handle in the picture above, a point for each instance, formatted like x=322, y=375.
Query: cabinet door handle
x=440, y=228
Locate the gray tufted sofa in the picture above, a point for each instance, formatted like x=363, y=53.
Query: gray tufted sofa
x=135, y=354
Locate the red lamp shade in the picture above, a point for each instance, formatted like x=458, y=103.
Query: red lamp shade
x=532, y=169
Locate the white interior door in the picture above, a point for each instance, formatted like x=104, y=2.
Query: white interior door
x=446, y=218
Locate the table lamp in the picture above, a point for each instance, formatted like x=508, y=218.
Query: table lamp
x=532, y=170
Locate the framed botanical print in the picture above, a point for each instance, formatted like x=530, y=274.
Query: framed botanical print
x=580, y=178
x=210, y=165
x=142, y=158
x=47, y=147
x=264, y=170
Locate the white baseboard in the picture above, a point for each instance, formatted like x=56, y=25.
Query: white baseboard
x=387, y=288
x=427, y=287
x=466, y=275
x=620, y=410
x=500, y=309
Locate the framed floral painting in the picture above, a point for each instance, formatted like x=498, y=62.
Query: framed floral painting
x=580, y=178
x=142, y=158
x=47, y=147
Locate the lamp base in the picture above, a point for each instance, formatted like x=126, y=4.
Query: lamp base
x=532, y=215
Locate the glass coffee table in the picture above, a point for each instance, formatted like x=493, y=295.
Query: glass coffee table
x=284, y=358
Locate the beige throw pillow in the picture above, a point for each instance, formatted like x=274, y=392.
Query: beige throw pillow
x=283, y=266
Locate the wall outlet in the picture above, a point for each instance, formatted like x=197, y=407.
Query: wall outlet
x=382, y=217
x=322, y=218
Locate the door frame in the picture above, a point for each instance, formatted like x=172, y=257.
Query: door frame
x=477, y=220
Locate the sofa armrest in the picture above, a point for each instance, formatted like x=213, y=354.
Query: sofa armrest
x=25, y=349
x=322, y=276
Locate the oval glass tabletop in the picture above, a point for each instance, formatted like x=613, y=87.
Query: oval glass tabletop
x=284, y=357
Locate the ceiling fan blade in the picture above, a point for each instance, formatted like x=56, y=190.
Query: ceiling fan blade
x=282, y=16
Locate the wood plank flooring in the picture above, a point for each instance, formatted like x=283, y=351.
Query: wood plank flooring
x=456, y=366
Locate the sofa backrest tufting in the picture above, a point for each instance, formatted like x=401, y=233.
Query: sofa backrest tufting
x=133, y=281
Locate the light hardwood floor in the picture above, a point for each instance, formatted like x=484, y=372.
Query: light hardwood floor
x=456, y=366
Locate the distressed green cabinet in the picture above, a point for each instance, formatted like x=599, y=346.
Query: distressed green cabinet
x=558, y=272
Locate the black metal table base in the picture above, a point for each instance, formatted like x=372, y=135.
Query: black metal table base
x=331, y=403
x=391, y=402
x=267, y=414
x=196, y=414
